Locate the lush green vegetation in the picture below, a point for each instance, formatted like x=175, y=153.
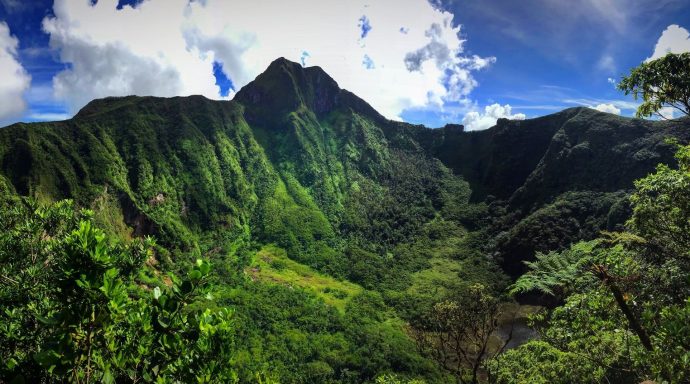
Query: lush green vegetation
x=660, y=83
x=294, y=235
x=319, y=234
x=80, y=308
x=626, y=297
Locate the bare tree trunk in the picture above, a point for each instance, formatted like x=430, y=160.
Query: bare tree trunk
x=602, y=273
x=632, y=320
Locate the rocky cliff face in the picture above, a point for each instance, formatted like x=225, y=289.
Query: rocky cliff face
x=286, y=87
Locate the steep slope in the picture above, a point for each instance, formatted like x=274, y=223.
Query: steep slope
x=599, y=152
x=496, y=161
x=558, y=178
x=575, y=149
x=179, y=165
x=297, y=161
x=294, y=160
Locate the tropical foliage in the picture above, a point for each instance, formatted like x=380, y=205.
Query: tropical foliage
x=626, y=297
x=80, y=308
x=660, y=83
x=294, y=235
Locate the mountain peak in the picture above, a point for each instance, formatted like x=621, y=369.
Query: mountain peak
x=285, y=86
x=283, y=63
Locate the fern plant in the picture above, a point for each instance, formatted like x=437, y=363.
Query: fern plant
x=557, y=273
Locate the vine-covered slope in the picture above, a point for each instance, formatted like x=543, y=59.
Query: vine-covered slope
x=329, y=232
x=296, y=160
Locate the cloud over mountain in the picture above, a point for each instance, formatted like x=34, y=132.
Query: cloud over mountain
x=15, y=79
x=475, y=121
x=394, y=57
x=608, y=108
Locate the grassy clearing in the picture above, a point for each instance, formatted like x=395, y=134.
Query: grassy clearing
x=438, y=280
x=271, y=265
x=442, y=276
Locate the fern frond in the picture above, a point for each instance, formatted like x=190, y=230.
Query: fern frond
x=555, y=270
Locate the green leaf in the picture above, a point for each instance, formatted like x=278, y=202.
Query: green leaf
x=195, y=275
x=108, y=377
x=205, y=267
x=47, y=359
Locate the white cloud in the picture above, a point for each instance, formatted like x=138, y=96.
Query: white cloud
x=167, y=47
x=607, y=64
x=475, y=121
x=675, y=39
x=608, y=108
x=15, y=80
x=666, y=113
x=611, y=81
x=613, y=12
x=10, y=5
x=591, y=103
x=130, y=51
x=39, y=116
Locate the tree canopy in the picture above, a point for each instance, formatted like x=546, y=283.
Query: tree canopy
x=660, y=83
x=626, y=300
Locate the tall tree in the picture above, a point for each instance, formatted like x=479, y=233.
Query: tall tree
x=660, y=83
x=457, y=334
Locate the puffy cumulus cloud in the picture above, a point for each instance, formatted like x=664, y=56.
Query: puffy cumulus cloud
x=675, y=39
x=608, y=108
x=444, y=49
x=475, y=121
x=394, y=57
x=113, y=52
x=15, y=81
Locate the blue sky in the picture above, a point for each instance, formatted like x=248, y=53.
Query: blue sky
x=460, y=61
x=552, y=57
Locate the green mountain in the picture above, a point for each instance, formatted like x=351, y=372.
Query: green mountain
x=286, y=162
x=558, y=178
x=298, y=184
x=296, y=160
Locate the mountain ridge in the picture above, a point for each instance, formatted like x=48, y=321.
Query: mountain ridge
x=330, y=229
x=294, y=138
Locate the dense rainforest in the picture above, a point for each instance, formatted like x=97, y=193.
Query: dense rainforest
x=295, y=235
